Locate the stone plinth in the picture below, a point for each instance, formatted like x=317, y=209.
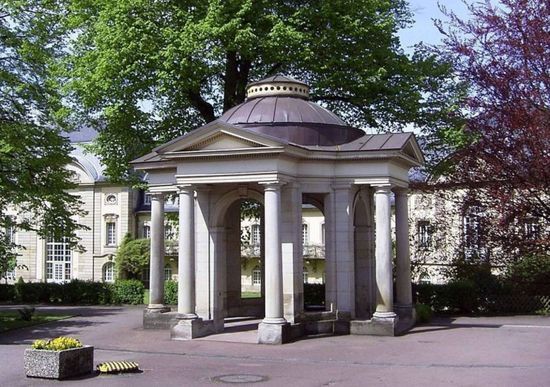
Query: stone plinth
x=159, y=318
x=40, y=363
x=188, y=329
x=274, y=333
x=376, y=326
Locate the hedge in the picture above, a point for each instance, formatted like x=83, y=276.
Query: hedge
x=74, y=292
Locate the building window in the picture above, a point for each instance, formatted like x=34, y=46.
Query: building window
x=109, y=272
x=424, y=279
x=473, y=232
x=305, y=234
x=306, y=275
x=255, y=235
x=146, y=232
x=110, y=234
x=147, y=199
x=531, y=229
x=167, y=272
x=424, y=235
x=58, y=260
x=168, y=232
x=256, y=276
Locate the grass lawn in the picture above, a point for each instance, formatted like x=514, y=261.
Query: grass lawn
x=251, y=295
x=11, y=320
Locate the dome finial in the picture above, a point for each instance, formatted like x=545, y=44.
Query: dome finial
x=278, y=85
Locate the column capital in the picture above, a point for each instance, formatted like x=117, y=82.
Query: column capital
x=185, y=188
x=157, y=195
x=272, y=185
x=382, y=189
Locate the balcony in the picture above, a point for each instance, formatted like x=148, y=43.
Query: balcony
x=309, y=251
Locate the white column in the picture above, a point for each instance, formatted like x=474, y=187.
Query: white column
x=292, y=251
x=403, y=261
x=156, y=270
x=384, y=280
x=273, y=257
x=186, y=252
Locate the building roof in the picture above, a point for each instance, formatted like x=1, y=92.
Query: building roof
x=278, y=106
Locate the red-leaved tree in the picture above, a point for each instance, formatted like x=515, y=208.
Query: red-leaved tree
x=503, y=52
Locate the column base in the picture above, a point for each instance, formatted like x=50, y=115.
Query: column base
x=381, y=324
x=188, y=329
x=157, y=308
x=274, y=333
x=158, y=317
x=407, y=317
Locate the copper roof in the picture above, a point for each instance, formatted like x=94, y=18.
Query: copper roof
x=277, y=106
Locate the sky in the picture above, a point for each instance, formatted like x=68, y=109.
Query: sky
x=423, y=29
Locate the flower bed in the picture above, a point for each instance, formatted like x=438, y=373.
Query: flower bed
x=59, y=358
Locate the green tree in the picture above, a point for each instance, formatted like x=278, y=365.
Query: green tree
x=132, y=256
x=33, y=181
x=149, y=71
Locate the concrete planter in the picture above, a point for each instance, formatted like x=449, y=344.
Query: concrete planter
x=40, y=363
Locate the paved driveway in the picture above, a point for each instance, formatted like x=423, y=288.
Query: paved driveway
x=495, y=351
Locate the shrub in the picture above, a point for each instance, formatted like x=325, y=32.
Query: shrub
x=32, y=292
x=132, y=256
x=530, y=275
x=7, y=292
x=170, y=292
x=128, y=292
x=26, y=313
x=423, y=313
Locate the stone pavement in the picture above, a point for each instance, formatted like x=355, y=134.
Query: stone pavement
x=485, y=351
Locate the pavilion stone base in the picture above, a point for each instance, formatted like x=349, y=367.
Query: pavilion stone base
x=274, y=333
x=407, y=318
x=187, y=329
x=159, y=318
x=376, y=326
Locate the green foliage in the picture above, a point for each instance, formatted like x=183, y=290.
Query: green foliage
x=132, y=256
x=32, y=152
x=170, y=292
x=423, y=313
x=7, y=292
x=26, y=313
x=531, y=274
x=58, y=344
x=314, y=294
x=128, y=292
x=192, y=60
x=74, y=292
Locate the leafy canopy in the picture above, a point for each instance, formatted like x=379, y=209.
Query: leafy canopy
x=150, y=71
x=33, y=180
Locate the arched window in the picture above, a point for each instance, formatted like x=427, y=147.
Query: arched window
x=424, y=279
x=167, y=272
x=146, y=231
x=109, y=272
x=256, y=276
x=306, y=275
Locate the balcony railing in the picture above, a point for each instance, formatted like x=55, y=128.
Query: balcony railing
x=309, y=251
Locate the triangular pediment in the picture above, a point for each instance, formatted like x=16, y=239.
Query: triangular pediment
x=222, y=140
x=214, y=137
x=412, y=150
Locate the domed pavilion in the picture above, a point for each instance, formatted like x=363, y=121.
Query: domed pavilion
x=283, y=151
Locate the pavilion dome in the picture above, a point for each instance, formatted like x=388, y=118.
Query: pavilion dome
x=278, y=106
